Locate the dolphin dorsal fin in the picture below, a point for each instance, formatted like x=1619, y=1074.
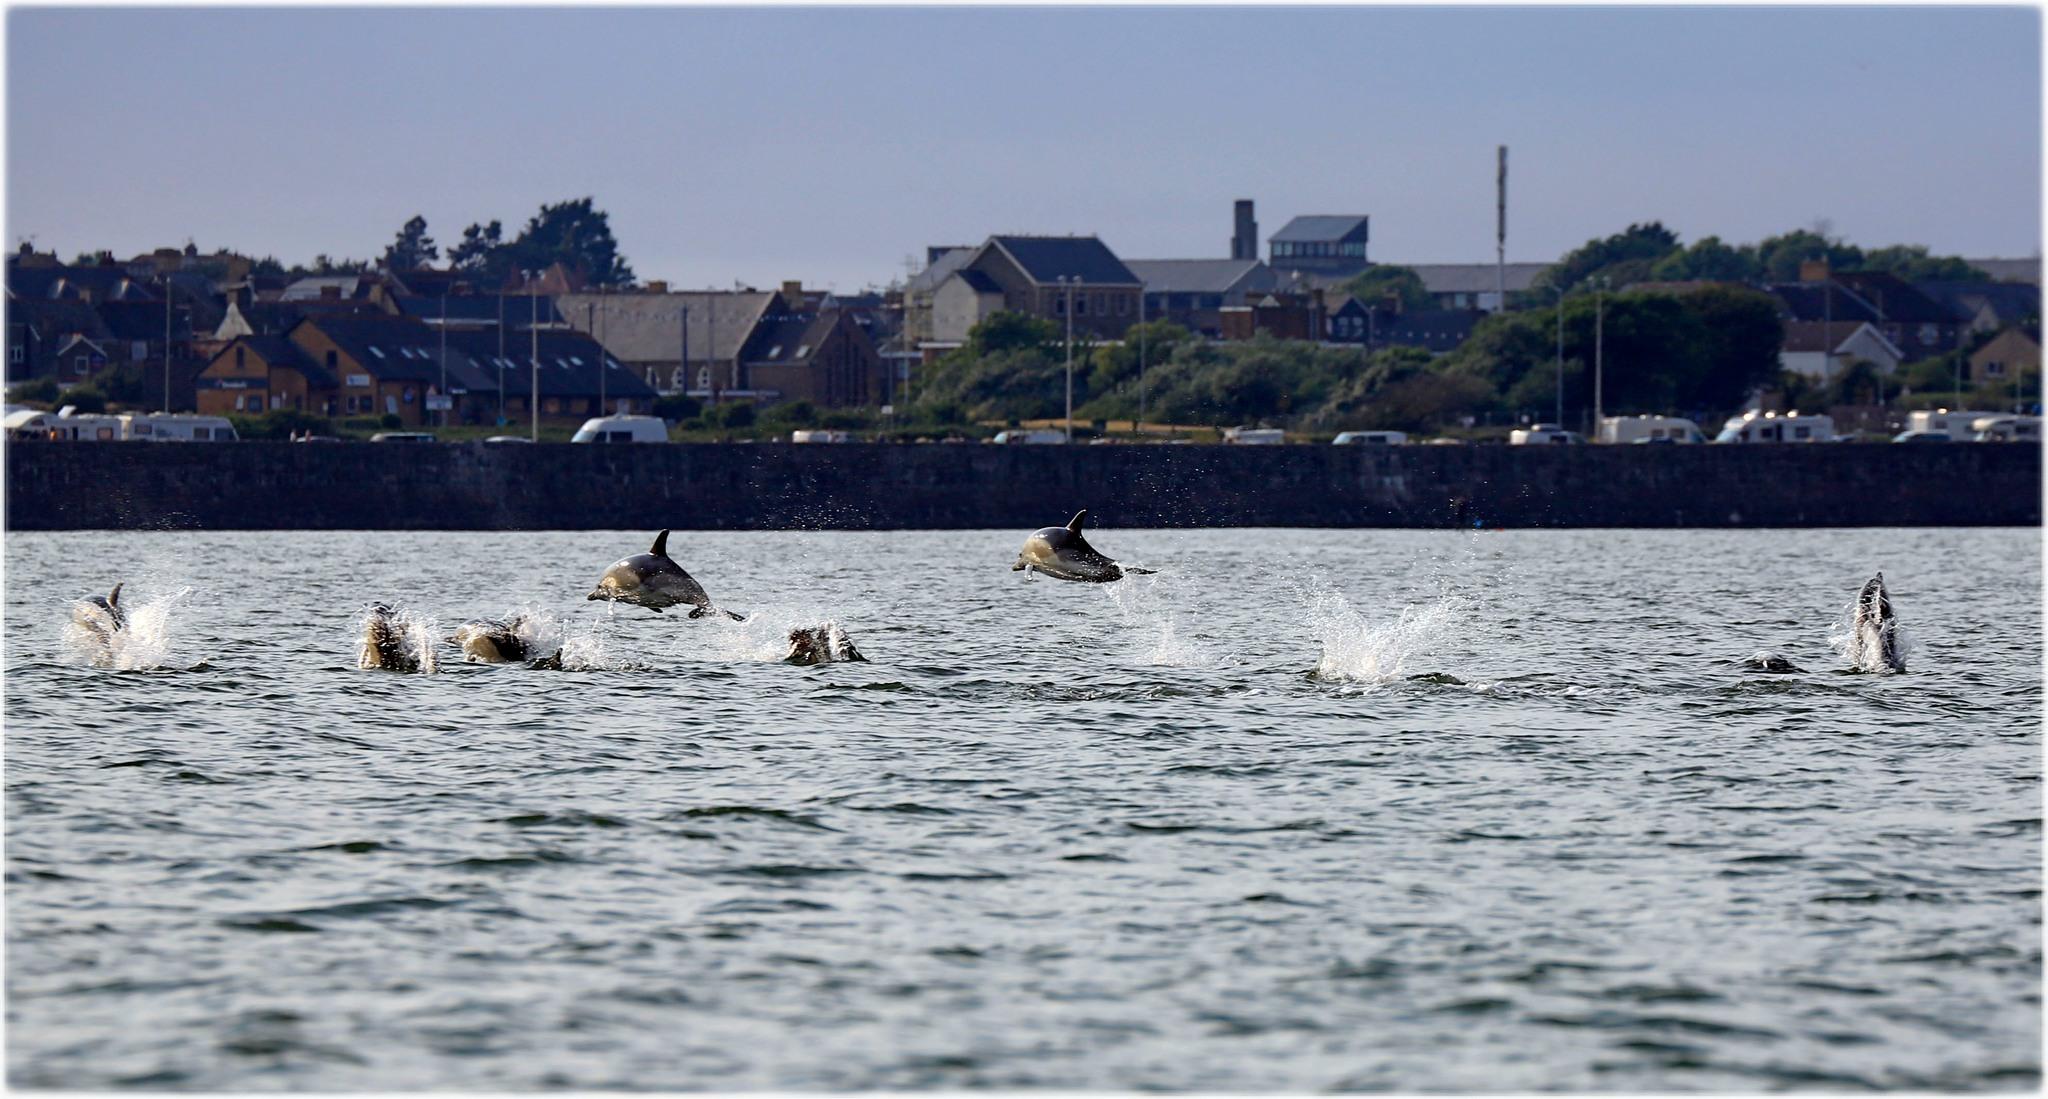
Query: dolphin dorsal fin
x=660, y=544
x=1080, y=517
x=114, y=596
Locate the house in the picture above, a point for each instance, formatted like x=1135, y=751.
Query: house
x=1914, y=323
x=1286, y=316
x=1463, y=286
x=516, y=312
x=918, y=293
x=693, y=341
x=1321, y=244
x=825, y=358
x=1038, y=276
x=1985, y=306
x=2010, y=270
x=42, y=337
x=1192, y=292
x=256, y=374
x=1348, y=319
x=577, y=378
x=1822, y=350
x=2009, y=357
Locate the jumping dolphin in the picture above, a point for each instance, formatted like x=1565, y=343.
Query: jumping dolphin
x=491, y=640
x=826, y=644
x=654, y=581
x=385, y=644
x=1061, y=553
x=1875, y=640
x=101, y=618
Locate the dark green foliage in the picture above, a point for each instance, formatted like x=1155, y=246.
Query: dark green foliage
x=1624, y=258
x=574, y=233
x=1912, y=263
x=676, y=406
x=86, y=398
x=39, y=390
x=390, y=421
x=413, y=248
x=738, y=414
x=1708, y=259
x=1007, y=331
x=282, y=423
x=1385, y=279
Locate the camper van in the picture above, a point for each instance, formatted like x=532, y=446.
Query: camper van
x=1371, y=438
x=1770, y=427
x=1254, y=436
x=2006, y=429
x=622, y=429
x=1954, y=424
x=1544, y=435
x=1019, y=435
x=176, y=427
x=819, y=435
x=66, y=425
x=1649, y=429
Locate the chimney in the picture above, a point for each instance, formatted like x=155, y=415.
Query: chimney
x=1813, y=270
x=793, y=289
x=1245, y=243
x=657, y=286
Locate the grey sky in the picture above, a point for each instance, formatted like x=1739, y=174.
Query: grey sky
x=828, y=144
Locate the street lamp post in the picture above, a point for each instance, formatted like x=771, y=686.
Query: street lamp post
x=1070, y=280
x=444, y=360
x=501, y=354
x=1560, y=358
x=167, y=344
x=533, y=330
x=1599, y=348
x=1139, y=427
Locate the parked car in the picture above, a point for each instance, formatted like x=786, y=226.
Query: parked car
x=1016, y=435
x=1370, y=438
x=1542, y=434
x=1254, y=436
x=1921, y=437
x=403, y=437
x=622, y=429
x=816, y=435
x=500, y=440
x=2006, y=429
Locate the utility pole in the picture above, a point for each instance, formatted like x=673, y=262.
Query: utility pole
x=1070, y=280
x=1599, y=349
x=683, y=363
x=711, y=344
x=1501, y=236
x=444, y=359
x=501, y=355
x=1139, y=427
x=1560, y=358
x=590, y=326
x=603, y=356
x=167, y=344
x=533, y=330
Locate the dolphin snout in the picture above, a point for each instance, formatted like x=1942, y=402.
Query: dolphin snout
x=599, y=594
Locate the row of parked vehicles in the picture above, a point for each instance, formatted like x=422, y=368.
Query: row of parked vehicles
x=69, y=425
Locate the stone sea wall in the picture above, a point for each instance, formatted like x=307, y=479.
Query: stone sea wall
x=268, y=486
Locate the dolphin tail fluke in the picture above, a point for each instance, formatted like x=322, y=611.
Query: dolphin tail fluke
x=660, y=544
x=1080, y=517
x=708, y=609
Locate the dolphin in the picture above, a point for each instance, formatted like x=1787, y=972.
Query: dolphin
x=1769, y=662
x=1874, y=642
x=491, y=640
x=826, y=644
x=654, y=581
x=384, y=643
x=1061, y=553
x=102, y=618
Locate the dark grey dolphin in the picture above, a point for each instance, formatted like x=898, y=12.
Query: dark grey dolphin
x=102, y=619
x=1769, y=662
x=654, y=581
x=826, y=644
x=1063, y=554
x=1876, y=633
x=384, y=644
x=491, y=640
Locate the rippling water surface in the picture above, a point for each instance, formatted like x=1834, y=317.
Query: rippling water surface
x=1306, y=810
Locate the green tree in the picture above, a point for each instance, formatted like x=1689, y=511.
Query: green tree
x=1384, y=280
x=1912, y=263
x=1779, y=257
x=413, y=248
x=86, y=398
x=1708, y=259
x=473, y=255
x=1005, y=330
x=576, y=234
x=1624, y=258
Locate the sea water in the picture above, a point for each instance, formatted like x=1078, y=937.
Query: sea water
x=1306, y=810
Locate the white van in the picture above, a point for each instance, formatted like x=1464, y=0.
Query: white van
x=176, y=427
x=816, y=435
x=1370, y=438
x=2006, y=429
x=622, y=429
x=1955, y=424
x=1770, y=427
x=1543, y=434
x=1016, y=435
x=67, y=425
x=1649, y=429
x=1254, y=436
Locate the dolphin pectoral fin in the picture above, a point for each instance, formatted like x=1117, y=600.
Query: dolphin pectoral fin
x=1137, y=570
x=660, y=544
x=734, y=615
x=1080, y=517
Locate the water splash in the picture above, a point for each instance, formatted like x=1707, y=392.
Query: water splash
x=143, y=644
x=1147, y=604
x=763, y=636
x=1861, y=648
x=419, y=637
x=1358, y=650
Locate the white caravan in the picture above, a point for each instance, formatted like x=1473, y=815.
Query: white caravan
x=1769, y=427
x=1649, y=429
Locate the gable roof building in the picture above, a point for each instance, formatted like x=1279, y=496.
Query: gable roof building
x=646, y=331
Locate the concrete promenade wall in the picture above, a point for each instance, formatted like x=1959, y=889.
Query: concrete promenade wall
x=260, y=486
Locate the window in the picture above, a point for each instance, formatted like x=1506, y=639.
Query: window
x=1123, y=306
x=138, y=350
x=17, y=353
x=1081, y=305
x=1059, y=306
x=104, y=434
x=1101, y=304
x=377, y=351
x=1994, y=369
x=202, y=434
x=704, y=378
x=390, y=404
x=81, y=364
x=551, y=405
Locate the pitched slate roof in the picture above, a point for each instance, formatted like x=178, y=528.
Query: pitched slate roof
x=1202, y=276
x=1315, y=227
x=1811, y=301
x=311, y=288
x=1895, y=298
x=792, y=337
x=648, y=328
x=2008, y=301
x=1809, y=336
x=569, y=364
x=2011, y=270
x=482, y=309
x=946, y=262
x=1435, y=331
x=1046, y=259
x=979, y=282
x=142, y=320
x=1473, y=278
x=278, y=351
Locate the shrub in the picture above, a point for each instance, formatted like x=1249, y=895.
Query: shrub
x=677, y=406
x=39, y=389
x=280, y=424
x=86, y=398
x=391, y=422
